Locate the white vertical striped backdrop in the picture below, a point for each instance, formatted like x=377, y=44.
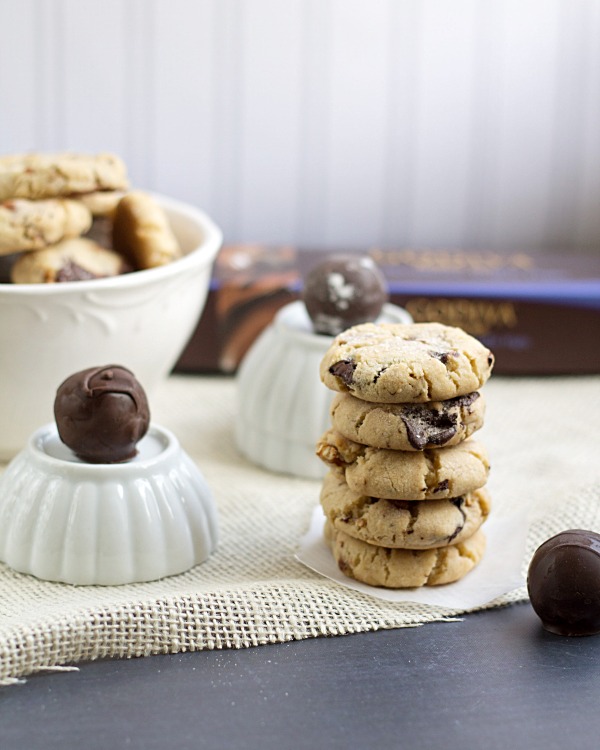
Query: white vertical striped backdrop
x=327, y=122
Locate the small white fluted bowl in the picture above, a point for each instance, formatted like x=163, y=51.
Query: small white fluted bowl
x=144, y=319
x=65, y=520
x=283, y=408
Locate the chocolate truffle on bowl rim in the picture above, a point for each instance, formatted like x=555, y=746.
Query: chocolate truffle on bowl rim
x=102, y=413
x=343, y=291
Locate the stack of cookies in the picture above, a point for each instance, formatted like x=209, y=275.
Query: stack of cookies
x=68, y=217
x=405, y=500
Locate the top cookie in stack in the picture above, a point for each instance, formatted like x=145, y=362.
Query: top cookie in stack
x=394, y=363
x=405, y=498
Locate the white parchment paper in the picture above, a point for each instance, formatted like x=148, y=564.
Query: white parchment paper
x=499, y=572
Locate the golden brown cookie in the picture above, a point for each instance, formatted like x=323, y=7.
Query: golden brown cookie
x=398, y=363
x=101, y=202
x=142, y=233
x=402, y=568
x=408, y=427
x=32, y=225
x=404, y=524
x=406, y=475
x=39, y=175
x=76, y=259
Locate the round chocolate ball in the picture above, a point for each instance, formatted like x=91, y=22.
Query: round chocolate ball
x=343, y=291
x=564, y=583
x=101, y=414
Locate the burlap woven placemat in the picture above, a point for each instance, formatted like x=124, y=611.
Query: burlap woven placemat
x=542, y=435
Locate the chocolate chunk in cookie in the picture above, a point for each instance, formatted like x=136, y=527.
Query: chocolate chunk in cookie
x=408, y=427
x=344, y=370
x=77, y=259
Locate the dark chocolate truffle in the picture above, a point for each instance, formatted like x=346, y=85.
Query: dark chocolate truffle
x=564, y=583
x=101, y=414
x=343, y=291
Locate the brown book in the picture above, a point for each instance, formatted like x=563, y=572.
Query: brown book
x=539, y=313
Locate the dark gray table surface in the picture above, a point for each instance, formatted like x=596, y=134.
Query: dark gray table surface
x=494, y=680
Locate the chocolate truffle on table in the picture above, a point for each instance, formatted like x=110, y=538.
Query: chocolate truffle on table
x=564, y=583
x=102, y=413
x=343, y=291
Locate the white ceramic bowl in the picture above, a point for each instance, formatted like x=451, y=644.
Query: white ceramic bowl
x=65, y=520
x=283, y=408
x=141, y=320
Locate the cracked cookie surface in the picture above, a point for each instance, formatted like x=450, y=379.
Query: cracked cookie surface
x=399, y=363
x=36, y=175
x=402, y=568
x=408, y=427
x=32, y=225
x=405, y=475
x=404, y=524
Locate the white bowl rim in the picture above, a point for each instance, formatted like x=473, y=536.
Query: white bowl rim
x=101, y=471
x=207, y=249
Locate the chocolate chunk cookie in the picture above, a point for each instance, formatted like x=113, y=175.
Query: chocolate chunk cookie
x=142, y=233
x=397, y=363
x=408, y=427
x=405, y=475
x=50, y=175
x=77, y=259
x=403, y=568
x=404, y=524
x=32, y=225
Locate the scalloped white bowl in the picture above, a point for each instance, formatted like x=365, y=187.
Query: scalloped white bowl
x=141, y=320
x=65, y=520
x=283, y=408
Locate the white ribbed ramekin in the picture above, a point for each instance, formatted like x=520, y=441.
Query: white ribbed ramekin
x=65, y=520
x=283, y=408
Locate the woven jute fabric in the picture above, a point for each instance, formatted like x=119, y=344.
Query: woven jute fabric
x=542, y=436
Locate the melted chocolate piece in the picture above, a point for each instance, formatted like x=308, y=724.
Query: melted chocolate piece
x=458, y=502
x=564, y=583
x=343, y=291
x=462, y=401
x=73, y=272
x=427, y=427
x=443, y=356
x=101, y=414
x=442, y=486
x=344, y=370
